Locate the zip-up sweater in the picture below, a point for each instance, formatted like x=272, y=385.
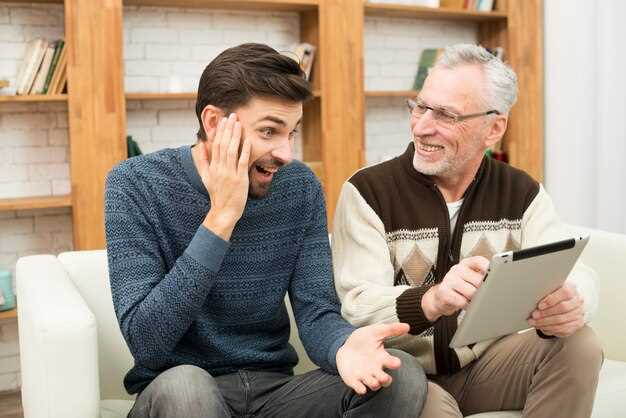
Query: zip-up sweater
x=183, y=295
x=392, y=242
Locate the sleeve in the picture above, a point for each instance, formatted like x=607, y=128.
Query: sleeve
x=541, y=225
x=364, y=273
x=154, y=306
x=315, y=304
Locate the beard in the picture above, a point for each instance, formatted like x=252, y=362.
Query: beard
x=259, y=187
x=449, y=164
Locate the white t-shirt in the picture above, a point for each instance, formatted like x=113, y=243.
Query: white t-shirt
x=453, y=211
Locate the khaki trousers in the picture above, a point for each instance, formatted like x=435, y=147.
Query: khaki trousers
x=545, y=378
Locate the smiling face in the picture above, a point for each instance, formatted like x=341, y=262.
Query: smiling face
x=446, y=150
x=270, y=124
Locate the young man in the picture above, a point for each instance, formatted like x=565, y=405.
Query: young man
x=412, y=238
x=204, y=242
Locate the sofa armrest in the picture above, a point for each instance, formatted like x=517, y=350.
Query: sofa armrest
x=58, y=343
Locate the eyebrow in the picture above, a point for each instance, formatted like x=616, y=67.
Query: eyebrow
x=277, y=120
x=442, y=107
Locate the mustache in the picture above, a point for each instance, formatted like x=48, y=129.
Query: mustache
x=269, y=162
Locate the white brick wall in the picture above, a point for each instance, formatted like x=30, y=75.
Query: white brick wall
x=392, y=51
x=168, y=48
x=33, y=161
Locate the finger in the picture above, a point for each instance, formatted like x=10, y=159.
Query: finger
x=563, y=330
x=557, y=319
x=565, y=292
x=382, y=331
x=215, y=146
x=391, y=362
x=245, y=157
x=371, y=382
x=226, y=137
x=464, y=289
x=358, y=387
x=233, y=146
x=477, y=263
x=560, y=308
x=383, y=378
x=468, y=275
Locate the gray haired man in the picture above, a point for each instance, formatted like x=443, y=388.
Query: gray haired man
x=413, y=235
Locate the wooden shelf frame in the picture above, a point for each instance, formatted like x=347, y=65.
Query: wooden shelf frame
x=263, y=5
x=10, y=314
x=420, y=12
x=39, y=202
x=174, y=96
x=409, y=94
x=34, y=98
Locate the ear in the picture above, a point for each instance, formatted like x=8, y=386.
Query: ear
x=211, y=116
x=496, y=131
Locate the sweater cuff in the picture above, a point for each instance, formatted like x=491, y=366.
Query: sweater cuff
x=409, y=309
x=545, y=336
x=207, y=249
x=332, y=353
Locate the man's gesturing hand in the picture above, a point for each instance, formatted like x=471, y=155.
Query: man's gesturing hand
x=456, y=289
x=225, y=175
x=362, y=359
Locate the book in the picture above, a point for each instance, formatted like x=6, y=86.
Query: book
x=40, y=79
x=4, y=83
x=306, y=55
x=54, y=87
x=427, y=60
x=29, y=66
x=53, y=65
x=484, y=5
x=452, y=4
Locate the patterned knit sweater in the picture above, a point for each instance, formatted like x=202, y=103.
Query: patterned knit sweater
x=392, y=242
x=182, y=295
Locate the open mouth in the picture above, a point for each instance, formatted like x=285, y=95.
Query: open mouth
x=266, y=171
x=429, y=147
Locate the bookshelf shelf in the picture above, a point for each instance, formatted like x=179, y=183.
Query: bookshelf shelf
x=409, y=94
x=174, y=96
x=43, y=202
x=34, y=98
x=401, y=10
x=10, y=314
x=265, y=5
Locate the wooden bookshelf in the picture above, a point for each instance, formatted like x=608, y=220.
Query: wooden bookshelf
x=28, y=203
x=10, y=314
x=409, y=94
x=174, y=96
x=333, y=128
x=34, y=98
x=419, y=12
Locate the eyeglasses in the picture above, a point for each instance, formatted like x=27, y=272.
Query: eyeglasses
x=417, y=108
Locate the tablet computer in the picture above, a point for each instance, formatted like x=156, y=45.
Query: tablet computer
x=514, y=284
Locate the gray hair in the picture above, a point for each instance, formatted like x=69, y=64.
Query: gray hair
x=501, y=91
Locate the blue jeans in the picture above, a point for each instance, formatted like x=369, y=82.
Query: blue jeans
x=190, y=392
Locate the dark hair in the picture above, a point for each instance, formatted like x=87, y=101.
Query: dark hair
x=242, y=72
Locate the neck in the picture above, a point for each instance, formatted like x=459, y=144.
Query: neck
x=453, y=186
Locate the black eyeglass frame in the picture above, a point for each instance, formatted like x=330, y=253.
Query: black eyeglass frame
x=413, y=104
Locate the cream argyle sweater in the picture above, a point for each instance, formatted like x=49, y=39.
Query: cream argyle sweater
x=392, y=242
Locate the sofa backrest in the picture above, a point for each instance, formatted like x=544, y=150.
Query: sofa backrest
x=606, y=254
x=89, y=271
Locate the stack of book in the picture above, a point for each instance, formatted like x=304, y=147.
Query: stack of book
x=44, y=68
x=472, y=5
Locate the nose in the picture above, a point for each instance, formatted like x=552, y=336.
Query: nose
x=424, y=125
x=283, y=152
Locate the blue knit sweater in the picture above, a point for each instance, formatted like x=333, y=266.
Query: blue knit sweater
x=182, y=295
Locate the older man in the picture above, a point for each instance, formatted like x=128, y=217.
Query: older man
x=412, y=238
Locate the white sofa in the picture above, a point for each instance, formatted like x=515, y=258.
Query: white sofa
x=73, y=356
